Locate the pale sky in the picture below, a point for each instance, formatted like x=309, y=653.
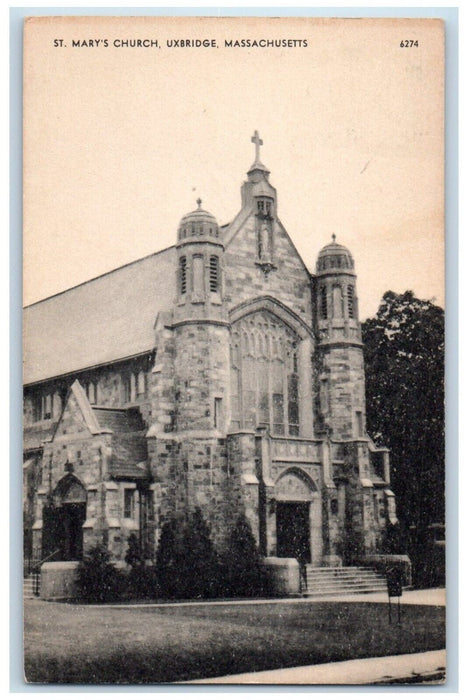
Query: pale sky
x=120, y=142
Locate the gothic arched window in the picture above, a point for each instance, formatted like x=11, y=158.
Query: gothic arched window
x=264, y=375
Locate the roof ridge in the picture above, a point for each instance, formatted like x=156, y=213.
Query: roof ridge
x=103, y=274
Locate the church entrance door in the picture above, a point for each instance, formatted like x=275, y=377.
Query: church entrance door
x=293, y=530
x=62, y=533
x=73, y=516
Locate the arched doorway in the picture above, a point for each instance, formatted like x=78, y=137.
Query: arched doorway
x=63, y=520
x=296, y=516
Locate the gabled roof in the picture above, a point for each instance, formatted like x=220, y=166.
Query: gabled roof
x=129, y=454
x=129, y=457
x=106, y=319
x=119, y=420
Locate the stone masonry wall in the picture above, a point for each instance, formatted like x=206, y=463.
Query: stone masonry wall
x=342, y=368
x=244, y=280
x=193, y=473
x=202, y=361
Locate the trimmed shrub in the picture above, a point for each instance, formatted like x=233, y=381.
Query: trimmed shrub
x=202, y=574
x=169, y=561
x=98, y=580
x=187, y=565
x=243, y=570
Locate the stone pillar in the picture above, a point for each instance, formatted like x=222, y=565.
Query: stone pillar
x=316, y=540
x=270, y=510
x=306, y=421
x=113, y=512
x=242, y=468
x=326, y=464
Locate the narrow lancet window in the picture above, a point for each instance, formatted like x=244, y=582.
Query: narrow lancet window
x=350, y=296
x=323, y=303
x=214, y=273
x=183, y=274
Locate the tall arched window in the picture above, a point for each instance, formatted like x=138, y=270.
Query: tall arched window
x=264, y=375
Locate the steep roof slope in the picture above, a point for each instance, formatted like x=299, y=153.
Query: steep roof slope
x=104, y=320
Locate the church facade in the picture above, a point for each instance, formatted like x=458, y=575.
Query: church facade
x=220, y=374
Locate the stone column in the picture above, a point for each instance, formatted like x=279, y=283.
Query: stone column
x=306, y=421
x=316, y=541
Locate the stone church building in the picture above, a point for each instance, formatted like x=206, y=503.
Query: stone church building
x=218, y=373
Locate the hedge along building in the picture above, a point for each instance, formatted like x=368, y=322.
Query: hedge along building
x=218, y=374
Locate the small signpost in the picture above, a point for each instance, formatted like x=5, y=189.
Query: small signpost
x=394, y=587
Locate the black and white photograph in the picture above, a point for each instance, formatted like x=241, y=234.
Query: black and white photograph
x=233, y=351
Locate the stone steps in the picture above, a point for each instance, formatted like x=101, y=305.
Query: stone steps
x=345, y=580
x=28, y=587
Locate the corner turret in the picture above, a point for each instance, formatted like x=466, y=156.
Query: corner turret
x=199, y=267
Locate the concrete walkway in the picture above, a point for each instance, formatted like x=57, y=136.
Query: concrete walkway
x=407, y=668
x=430, y=596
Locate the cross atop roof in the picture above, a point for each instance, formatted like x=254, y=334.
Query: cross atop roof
x=258, y=142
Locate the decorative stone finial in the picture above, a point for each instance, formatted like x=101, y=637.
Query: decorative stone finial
x=333, y=237
x=199, y=202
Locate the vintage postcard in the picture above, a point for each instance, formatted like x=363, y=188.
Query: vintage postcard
x=234, y=350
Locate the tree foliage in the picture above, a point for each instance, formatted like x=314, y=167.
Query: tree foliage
x=404, y=359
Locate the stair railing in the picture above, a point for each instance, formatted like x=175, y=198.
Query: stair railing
x=36, y=571
x=302, y=576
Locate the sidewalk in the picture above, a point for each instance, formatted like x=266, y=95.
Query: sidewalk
x=430, y=596
x=407, y=668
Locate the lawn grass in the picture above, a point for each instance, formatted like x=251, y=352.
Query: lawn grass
x=86, y=644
